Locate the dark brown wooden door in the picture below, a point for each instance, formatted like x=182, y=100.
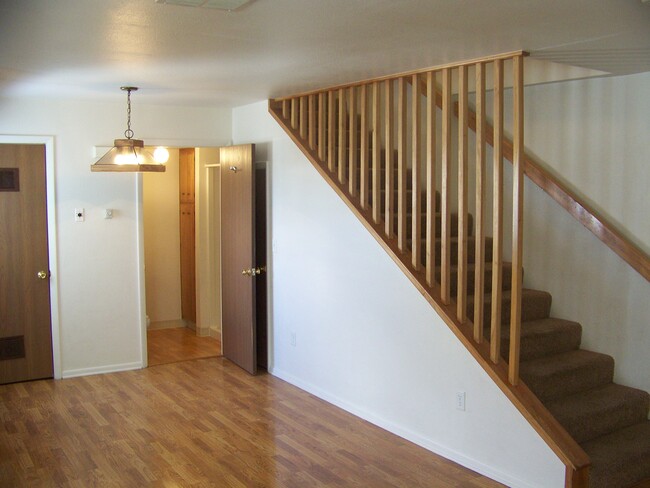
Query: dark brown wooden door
x=238, y=256
x=25, y=328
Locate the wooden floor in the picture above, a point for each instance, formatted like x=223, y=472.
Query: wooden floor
x=200, y=423
x=179, y=344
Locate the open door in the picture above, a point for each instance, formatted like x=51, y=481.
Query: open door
x=25, y=328
x=239, y=268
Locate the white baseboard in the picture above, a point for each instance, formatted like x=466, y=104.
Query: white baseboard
x=111, y=368
x=403, y=432
x=166, y=324
x=203, y=331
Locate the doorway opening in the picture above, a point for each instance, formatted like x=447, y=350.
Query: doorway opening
x=182, y=257
x=185, y=234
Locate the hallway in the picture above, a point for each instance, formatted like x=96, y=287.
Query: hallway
x=179, y=344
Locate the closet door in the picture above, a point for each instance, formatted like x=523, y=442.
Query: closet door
x=187, y=231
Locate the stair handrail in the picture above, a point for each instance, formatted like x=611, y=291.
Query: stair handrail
x=577, y=206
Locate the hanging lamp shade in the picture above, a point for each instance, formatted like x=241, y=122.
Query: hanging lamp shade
x=128, y=155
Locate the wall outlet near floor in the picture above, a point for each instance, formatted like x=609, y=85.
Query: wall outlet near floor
x=293, y=339
x=460, y=400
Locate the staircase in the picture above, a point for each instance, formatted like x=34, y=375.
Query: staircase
x=590, y=421
x=609, y=421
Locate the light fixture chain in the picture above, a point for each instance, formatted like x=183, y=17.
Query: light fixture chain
x=128, y=132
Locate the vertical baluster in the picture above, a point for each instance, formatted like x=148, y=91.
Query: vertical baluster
x=401, y=164
x=363, y=177
x=311, y=122
x=461, y=270
x=416, y=195
x=389, y=169
x=479, y=250
x=376, y=141
x=321, y=127
x=303, y=117
x=445, y=230
x=331, y=156
x=517, y=217
x=431, y=179
x=286, y=105
x=294, y=112
x=497, y=213
x=342, y=136
x=352, y=146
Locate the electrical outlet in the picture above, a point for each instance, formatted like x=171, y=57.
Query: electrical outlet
x=460, y=400
x=108, y=213
x=293, y=339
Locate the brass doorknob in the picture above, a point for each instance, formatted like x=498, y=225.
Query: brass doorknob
x=42, y=275
x=254, y=271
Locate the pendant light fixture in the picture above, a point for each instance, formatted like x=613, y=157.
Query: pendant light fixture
x=129, y=155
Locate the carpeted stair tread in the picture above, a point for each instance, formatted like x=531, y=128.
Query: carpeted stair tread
x=453, y=224
x=544, y=337
x=567, y=373
x=506, y=274
x=453, y=250
x=409, y=197
x=620, y=459
x=535, y=305
x=600, y=411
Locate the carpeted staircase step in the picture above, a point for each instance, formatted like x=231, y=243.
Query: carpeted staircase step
x=535, y=305
x=543, y=337
x=471, y=250
x=409, y=196
x=567, y=373
x=506, y=275
x=438, y=225
x=620, y=459
x=600, y=411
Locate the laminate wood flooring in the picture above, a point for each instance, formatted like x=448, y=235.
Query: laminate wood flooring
x=200, y=423
x=179, y=344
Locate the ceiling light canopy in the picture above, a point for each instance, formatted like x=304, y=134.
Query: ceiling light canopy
x=215, y=4
x=129, y=155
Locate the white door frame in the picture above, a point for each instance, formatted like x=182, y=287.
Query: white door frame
x=48, y=141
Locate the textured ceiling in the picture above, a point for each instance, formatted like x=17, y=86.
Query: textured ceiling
x=187, y=55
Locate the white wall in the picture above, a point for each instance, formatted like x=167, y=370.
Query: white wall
x=161, y=209
x=594, y=133
x=208, y=242
x=366, y=340
x=98, y=262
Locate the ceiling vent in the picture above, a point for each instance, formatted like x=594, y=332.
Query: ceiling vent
x=214, y=4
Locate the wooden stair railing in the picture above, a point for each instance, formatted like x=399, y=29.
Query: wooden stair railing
x=380, y=153
x=568, y=199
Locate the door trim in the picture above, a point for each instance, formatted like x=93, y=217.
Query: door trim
x=48, y=141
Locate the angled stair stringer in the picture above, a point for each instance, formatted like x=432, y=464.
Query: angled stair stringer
x=539, y=417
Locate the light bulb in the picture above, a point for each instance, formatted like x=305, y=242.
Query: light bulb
x=161, y=155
